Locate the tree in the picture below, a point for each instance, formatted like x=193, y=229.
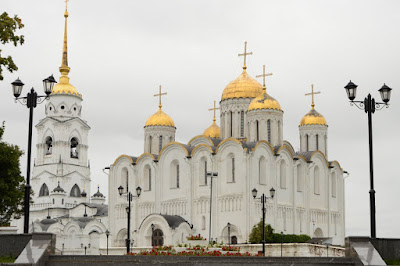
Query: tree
x=8, y=26
x=11, y=181
x=256, y=233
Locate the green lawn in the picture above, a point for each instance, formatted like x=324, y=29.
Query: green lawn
x=393, y=262
x=7, y=259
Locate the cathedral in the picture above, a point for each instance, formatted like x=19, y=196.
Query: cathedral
x=177, y=189
x=205, y=186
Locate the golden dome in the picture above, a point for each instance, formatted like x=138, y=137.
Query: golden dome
x=65, y=87
x=213, y=131
x=264, y=101
x=313, y=118
x=242, y=87
x=160, y=119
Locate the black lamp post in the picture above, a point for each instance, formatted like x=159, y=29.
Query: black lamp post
x=107, y=235
x=369, y=106
x=263, y=200
x=129, y=197
x=31, y=100
x=152, y=234
x=281, y=242
x=85, y=247
x=211, y=175
x=229, y=233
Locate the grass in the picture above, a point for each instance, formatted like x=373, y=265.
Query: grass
x=7, y=259
x=393, y=262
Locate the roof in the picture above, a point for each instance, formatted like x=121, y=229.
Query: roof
x=173, y=220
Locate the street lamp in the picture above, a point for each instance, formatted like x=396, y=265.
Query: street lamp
x=129, y=198
x=31, y=100
x=211, y=175
x=369, y=106
x=152, y=234
x=281, y=242
x=229, y=233
x=107, y=235
x=263, y=200
x=85, y=247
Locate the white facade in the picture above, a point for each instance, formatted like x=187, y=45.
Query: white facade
x=251, y=154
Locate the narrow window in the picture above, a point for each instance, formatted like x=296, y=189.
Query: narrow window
x=233, y=169
x=124, y=179
x=279, y=130
x=44, y=190
x=283, y=174
x=333, y=185
x=62, y=201
x=269, y=130
x=74, y=148
x=75, y=191
x=316, y=142
x=316, y=180
x=150, y=140
x=149, y=179
x=49, y=145
x=231, y=128
x=160, y=144
x=262, y=171
x=242, y=124
x=177, y=175
x=258, y=130
x=205, y=172
x=306, y=142
x=299, y=178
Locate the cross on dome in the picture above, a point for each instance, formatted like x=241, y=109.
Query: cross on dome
x=312, y=93
x=263, y=75
x=214, y=109
x=160, y=95
x=245, y=54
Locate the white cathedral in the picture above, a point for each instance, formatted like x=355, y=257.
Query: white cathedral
x=247, y=152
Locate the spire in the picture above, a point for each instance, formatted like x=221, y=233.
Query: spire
x=244, y=55
x=64, y=69
x=263, y=75
x=312, y=93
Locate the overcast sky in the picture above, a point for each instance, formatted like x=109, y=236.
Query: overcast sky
x=121, y=51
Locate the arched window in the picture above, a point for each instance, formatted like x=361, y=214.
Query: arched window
x=203, y=171
x=283, y=174
x=74, y=148
x=334, y=184
x=54, y=201
x=147, y=176
x=171, y=139
x=62, y=201
x=125, y=179
x=306, y=142
x=316, y=142
x=316, y=180
x=257, y=130
x=300, y=180
x=230, y=168
x=174, y=174
x=231, y=123
x=49, y=145
x=150, y=140
x=262, y=171
x=242, y=124
x=44, y=190
x=75, y=191
x=160, y=144
x=269, y=130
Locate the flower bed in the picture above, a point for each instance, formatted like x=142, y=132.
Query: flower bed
x=196, y=237
x=230, y=248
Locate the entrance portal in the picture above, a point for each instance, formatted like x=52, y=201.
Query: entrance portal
x=158, y=238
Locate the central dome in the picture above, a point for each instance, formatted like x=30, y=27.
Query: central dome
x=160, y=119
x=242, y=87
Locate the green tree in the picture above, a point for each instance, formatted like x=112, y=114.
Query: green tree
x=256, y=233
x=11, y=181
x=8, y=26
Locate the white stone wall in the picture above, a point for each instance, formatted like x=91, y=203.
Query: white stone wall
x=312, y=131
x=152, y=138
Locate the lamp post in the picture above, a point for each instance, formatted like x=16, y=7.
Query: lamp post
x=263, y=200
x=107, y=235
x=129, y=197
x=369, y=106
x=281, y=242
x=229, y=233
x=211, y=175
x=152, y=234
x=31, y=100
x=85, y=247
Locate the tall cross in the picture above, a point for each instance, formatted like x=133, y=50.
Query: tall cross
x=214, y=109
x=159, y=95
x=312, y=93
x=245, y=54
x=263, y=75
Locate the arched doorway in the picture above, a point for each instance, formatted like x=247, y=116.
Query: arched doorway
x=158, y=238
x=233, y=240
x=318, y=233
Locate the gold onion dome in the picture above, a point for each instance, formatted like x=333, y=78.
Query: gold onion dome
x=264, y=101
x=313, y=118
x=160, y=119
x=213, y=131
x=242, y=87
x=64, y=87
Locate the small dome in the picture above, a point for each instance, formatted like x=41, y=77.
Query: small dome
x=98, y=194
x=64, y=88
x=160, y=119
x=58, y=188
x=264, y=101
x=313, y=118
x=213, y=131
x=242, y=87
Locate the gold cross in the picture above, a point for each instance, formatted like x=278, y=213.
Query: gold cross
x=312, y=93
x=159, y=95
x=263, y=75
x=66, y=5
x=214, y=109
x=244, y=54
